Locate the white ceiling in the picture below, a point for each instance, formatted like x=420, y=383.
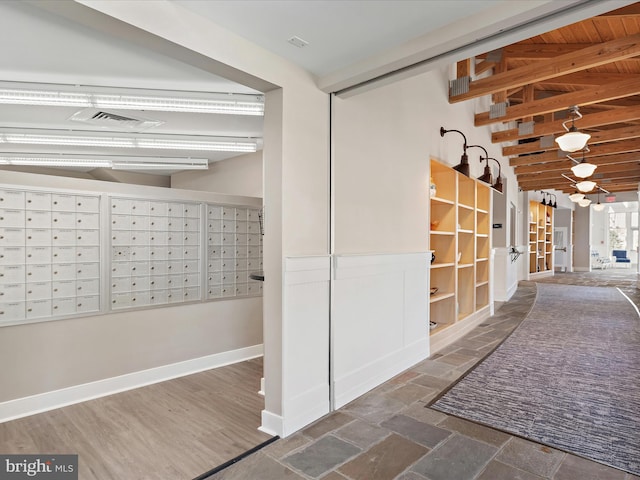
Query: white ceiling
x=51, y=48
x=340, y=33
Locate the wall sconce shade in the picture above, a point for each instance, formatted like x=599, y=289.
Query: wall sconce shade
x=585, y=186
x=573, y=140
x=463, y=166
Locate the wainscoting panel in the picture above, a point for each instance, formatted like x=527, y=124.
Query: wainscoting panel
x=305, y=346
x=379, y=320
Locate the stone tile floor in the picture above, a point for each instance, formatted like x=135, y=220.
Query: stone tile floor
x=389, y=434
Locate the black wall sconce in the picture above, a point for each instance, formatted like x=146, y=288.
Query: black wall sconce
x=463, y=166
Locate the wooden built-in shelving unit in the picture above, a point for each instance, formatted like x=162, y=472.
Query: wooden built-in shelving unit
x=460, y=238
x=540, y=238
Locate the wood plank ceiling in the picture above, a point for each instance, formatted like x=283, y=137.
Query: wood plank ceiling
x=594, y=64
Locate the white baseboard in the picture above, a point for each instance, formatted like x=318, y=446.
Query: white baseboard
x=360, y=381
x=22, y=407
x=272, y=424
x=511, y=290
x=450, y=334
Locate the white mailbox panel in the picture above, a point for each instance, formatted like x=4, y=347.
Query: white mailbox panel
x=89, y=303
x=38, y=308
x=158, y=209
x=12, y=236
x=58, y=237
x=139, y=299
x=38, y=201
x=38, y=219
x=12, y=218
x=64, y=306
x=120, y=222
x=89, y=286
x=139, y=223
x=64, y=254
x=121, y=284
x=87, y=270
x=12, y=273
x=214, y=211
x=88, y=254
x=88, y=237
x=12, y=292
x=175, y=295
x=139, y=283
x=120, y=300
x=191, y=210
x=11, y=199
x=63, y=203
x=38, y=254
x=62, y=271
x=64, y=288
x=158, y=224
x=87, y=204
x=158, y=297
x=120, y=269
x=158, y=282
x=121, y=206
x=12, y=255
x=12, y=311
x=158, y=268
x=38, y=273
x=139, y=207
x=63, y=220
x=140, y=238
x=87, y=220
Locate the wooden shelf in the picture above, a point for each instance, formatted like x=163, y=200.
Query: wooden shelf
x=440, y=232
x=465, y=265
x=480, y=284
x=442, y=200
x=441, y=265
x=440, y=296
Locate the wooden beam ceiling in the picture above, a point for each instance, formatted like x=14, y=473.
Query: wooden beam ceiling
x=594, y=64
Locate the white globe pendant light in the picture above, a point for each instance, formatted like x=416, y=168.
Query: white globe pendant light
x=573, y=140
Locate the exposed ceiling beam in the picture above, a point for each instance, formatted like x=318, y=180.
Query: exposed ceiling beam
x=624, y=146
x=587, y=121
x=587, y=96
x=566, y=164
x=601, y=172
x=604, y=136
x=585, y=79
x=589, y=57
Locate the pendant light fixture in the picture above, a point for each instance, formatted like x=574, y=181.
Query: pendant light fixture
x=584, y=202
x=463, y=166
x=583, y=169
x=573, y=140
x=586, y=186
x=598, y=207
x=576, y=197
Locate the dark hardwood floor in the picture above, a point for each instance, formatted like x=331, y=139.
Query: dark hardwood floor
x=172, y=430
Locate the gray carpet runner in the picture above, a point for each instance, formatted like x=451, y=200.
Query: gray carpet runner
x=568, y=377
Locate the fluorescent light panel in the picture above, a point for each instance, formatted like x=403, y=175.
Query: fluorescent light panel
x=233, y=103
x=128, y=142
x=117, y=163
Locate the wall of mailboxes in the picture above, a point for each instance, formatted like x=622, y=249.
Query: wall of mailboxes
x=65, y=254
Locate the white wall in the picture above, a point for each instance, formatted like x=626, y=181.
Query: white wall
x=241, y=175
x=53, y=355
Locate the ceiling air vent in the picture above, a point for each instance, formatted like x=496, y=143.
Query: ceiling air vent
x=114, y=121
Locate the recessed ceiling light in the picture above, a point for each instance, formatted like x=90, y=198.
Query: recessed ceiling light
x=212, y=144
x=64, y=96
